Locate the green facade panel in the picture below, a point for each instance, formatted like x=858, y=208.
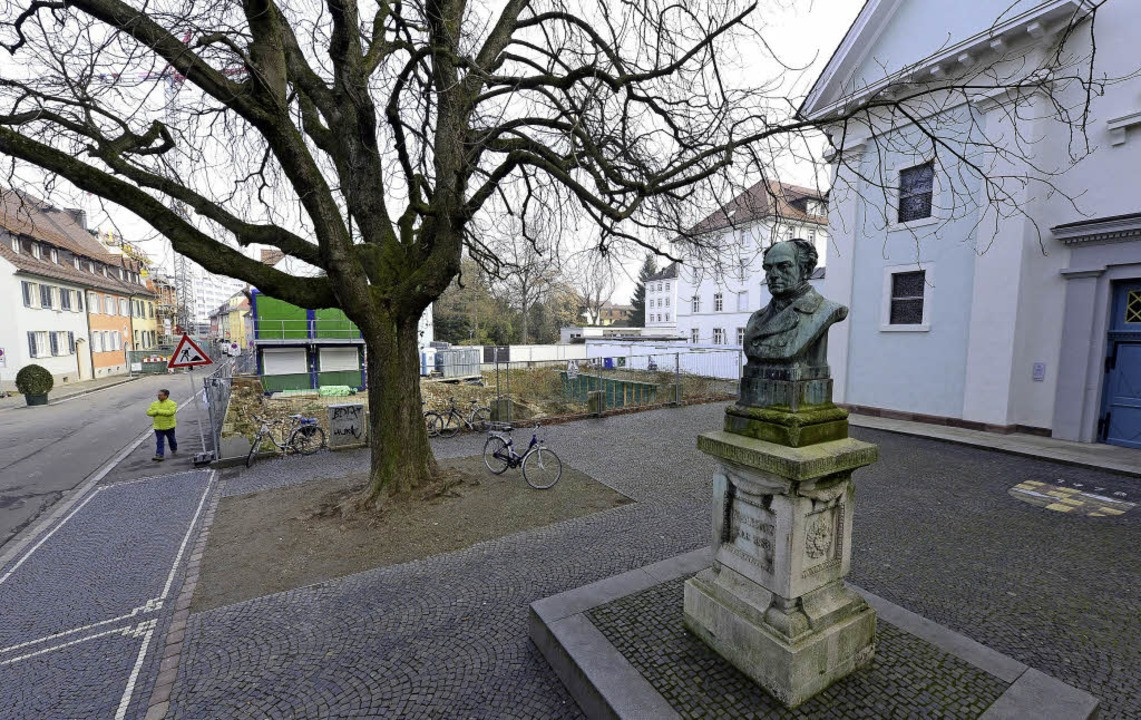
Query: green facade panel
x=279, y=320
x=352, y=378
x=276, y=383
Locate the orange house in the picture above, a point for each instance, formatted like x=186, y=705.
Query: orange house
x=109, y=321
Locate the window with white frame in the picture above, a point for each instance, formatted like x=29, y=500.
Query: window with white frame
x=694, y=335
x=64, y=299
x=741, y=336
x=667, y=287
x=36, y=250
x=31, y=293
x=53, y=343
x=667, y=302
x=696, y=305
x=915, y=191
x=718, y=336
x=96, y=341
x=46, y=296
x=93, y=302
x=667, y=317
x=108, y=305
x=742, y=301
x=124, y=308
x=906, y=298
x=718, y=302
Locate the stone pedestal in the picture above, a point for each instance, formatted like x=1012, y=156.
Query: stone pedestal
x=774, y=603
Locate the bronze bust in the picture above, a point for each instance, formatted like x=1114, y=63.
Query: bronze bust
x=792, y=330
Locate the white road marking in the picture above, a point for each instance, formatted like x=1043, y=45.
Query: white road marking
x=150, y=606
x=125, y=701
x=112, y=631
x=186, y=538
x=44, y=539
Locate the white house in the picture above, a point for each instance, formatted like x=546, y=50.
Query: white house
x=963, y=311
x=715, y=295
x=661, y=301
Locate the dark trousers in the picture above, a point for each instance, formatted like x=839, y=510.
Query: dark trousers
x=169, y=435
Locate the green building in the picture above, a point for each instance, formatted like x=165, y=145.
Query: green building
x=299, y=349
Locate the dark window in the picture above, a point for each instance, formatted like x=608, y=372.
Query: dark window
x=28, y=293
x=53, y=342
x=64, y=299
x=907, y=298
x=70, y=343
x=915, y=185
x=45, y=296
x=79, y=300
x=32, y=345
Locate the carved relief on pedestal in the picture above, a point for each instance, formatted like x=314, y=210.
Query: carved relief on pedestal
x=824, y=532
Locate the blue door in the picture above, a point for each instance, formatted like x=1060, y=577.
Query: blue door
x=1121, y=423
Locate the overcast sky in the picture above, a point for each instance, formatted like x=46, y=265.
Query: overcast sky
x=803, y=34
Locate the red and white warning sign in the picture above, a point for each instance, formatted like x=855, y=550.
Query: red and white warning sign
x=187, y=354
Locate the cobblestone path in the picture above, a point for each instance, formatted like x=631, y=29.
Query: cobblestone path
x=84, y=605
x=936, y=532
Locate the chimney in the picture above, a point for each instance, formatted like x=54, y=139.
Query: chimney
x=78, y=215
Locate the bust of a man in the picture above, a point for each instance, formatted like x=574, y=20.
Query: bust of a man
x=792, y=330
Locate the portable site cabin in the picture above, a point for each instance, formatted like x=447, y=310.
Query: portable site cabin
x=299, y=349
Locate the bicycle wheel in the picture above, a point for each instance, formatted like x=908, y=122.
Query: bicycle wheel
x=253, y=450
x=434, y=422
x=307, y=440
x=542, y=468
x=495, y=455
x=449, y=425
x=480, y=418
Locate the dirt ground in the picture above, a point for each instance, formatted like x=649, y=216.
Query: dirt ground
x=274, y=540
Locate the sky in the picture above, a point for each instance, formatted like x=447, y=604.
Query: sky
x=803, y=33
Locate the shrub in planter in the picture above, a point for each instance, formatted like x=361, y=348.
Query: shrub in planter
x=35, y=382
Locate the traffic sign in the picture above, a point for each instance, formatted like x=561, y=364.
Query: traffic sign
x=187, y=354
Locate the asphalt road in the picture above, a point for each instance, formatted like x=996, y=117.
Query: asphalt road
x=47, y=451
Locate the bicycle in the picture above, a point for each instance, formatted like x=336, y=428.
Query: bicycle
x=303, y=436
x=452, y=421
x=433, y=420
x=541, y=466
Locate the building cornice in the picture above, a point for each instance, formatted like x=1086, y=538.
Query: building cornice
x=1119, y=228
x=1041, y=22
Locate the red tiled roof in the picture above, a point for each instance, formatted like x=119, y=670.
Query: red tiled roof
x=764, y=199
x=22, y=214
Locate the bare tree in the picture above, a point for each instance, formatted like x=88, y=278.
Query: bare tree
x=592, y=276
x=376, y=141
x=526, y=274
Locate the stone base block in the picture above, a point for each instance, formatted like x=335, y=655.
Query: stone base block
x=809, y=426
x=791, y=671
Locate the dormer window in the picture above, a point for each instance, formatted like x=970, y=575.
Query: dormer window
x=55, y=256
x=36, y=250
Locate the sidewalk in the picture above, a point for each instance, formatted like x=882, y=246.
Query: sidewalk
x=70, y=390
x=1094, y=455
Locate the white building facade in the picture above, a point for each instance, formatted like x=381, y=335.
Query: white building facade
x=961, y=310
x=46, y=324
x=714, y=298
x=661, y=301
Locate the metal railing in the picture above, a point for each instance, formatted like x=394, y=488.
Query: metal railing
x=266, y=329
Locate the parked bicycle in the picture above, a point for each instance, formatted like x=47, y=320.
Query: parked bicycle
x=541, y=466
x=451, y=421
x=301, y=435
x=432, y=419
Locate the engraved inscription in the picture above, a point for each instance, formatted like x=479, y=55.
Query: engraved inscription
x=751, y=539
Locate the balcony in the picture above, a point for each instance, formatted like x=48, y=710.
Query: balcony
x=302, y=331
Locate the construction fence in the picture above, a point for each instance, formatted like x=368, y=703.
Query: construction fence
x=567, y=388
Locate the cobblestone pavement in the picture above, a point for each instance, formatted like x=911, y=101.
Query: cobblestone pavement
x=936, y=532
x=908, y=678
x=84, y=605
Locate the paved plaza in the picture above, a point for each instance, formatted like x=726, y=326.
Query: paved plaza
x=936, y=531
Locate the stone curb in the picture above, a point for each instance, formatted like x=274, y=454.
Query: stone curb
x=159, y=704
x=81, y=393
x=606, y=685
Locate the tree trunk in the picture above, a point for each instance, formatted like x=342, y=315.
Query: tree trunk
x=402, y=459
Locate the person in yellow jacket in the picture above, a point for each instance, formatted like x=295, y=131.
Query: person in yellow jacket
x=163, y=411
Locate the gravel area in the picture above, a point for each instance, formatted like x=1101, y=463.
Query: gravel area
x=935, y=531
